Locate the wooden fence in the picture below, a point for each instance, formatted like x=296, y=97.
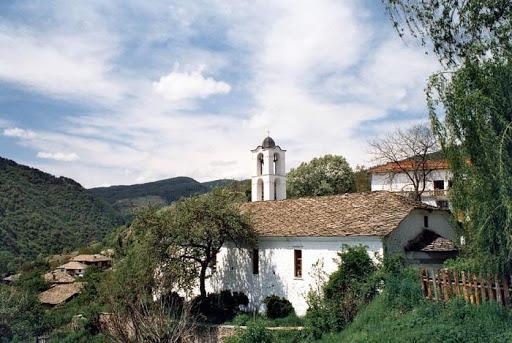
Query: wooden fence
x=444, y=284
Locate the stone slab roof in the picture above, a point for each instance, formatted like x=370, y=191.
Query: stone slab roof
x=351, y=214
x=73, y=265
x=59, y=293
x=91, y=258
x=58, y=277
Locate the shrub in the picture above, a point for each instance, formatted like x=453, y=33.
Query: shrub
x=254, y=333
x=277, y=307
x=220, y=307
x=347, y=291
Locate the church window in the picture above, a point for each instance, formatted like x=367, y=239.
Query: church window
x=255, y=261
x=276, y=163
x=297, y=257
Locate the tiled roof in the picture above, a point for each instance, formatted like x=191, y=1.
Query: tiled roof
x=409, y=165
x=440, y=244
x=60, y=293
x=72, y=265
x=91, y=258
x=351, y=214
x=58, y=277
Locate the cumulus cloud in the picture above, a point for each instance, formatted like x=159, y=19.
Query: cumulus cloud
x=20, y=133
x=58, y=156
x=188, y=85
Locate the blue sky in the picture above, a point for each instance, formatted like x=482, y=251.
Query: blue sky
x=123, y=92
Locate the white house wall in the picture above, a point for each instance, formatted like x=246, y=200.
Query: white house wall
x=400, y=182
x=413, y=225
x=276, y=267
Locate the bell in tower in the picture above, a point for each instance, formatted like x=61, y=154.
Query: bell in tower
x=269, y=173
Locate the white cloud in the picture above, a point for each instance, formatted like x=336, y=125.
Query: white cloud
x=188, y=85
x=312, y=73
x=20, y=133
x=58, y=156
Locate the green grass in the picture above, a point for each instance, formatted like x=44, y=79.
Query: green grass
x=243, y=319
x=427, y=322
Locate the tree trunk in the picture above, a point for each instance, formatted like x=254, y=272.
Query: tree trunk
x=202, y=280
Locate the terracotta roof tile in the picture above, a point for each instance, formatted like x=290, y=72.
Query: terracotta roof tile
x=351, y=214
x=409, y=165
x=72, y=265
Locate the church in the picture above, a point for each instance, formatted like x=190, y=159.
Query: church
x=298, y=238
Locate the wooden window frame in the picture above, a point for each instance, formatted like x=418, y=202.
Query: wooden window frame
x=297, y=263
x=255, y=261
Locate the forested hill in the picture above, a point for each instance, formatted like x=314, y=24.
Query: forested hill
x=126, y=199
x=42, y=214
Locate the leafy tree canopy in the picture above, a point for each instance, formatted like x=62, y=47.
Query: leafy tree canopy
x=456, y=30
x=186, y=237
x=327, y=175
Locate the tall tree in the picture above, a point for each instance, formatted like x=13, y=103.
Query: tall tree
x=456, y=30
x=327, y=175
x=188, y=235
x=473, y=39
x=407, y=152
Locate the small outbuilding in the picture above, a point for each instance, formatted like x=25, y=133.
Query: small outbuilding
x=57, y=294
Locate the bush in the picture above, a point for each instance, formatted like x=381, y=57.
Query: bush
x=277, y=307
x=220, y=307
x=347, y=291
x=254, y=333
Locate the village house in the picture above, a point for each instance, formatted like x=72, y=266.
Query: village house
x=60, y=293
x=300, y=237
x=73, y=268
x=96, y=260
x=58, y=277
x=392, y=177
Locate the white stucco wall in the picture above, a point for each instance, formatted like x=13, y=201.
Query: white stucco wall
x=276, y=267
x=413, y=225
x=401, y=182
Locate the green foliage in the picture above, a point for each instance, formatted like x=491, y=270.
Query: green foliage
x=362, y=179
x=477, y=137
x=456, y=30
x=187, y=237
x=254, y=333
x=277, y=307
x=347, y=291
x=219, y=307
x=42, y=214
x=387, y=320
x=326, y=175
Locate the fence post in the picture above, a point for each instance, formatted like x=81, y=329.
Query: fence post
x=429, y=290
x=450, y=285
x=489, y=287
x=464, y=289
x=457, y=286
x=482, y=288
x=475, y=283
x=439, y=284
x=434, y=284
x=422, y=284
x=498, y=290
x=506, y=291
x=445, y=286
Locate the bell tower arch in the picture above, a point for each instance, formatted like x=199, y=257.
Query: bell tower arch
x=269, y=172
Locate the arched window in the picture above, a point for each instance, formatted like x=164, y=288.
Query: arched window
x=259, y=190
x=276, y=164
x=260, y=164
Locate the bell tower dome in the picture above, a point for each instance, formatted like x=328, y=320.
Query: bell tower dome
x=269, y=173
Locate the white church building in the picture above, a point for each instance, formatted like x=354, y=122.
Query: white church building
x=297, y=234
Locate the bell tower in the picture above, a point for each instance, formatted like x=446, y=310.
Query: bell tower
x=269, y=173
